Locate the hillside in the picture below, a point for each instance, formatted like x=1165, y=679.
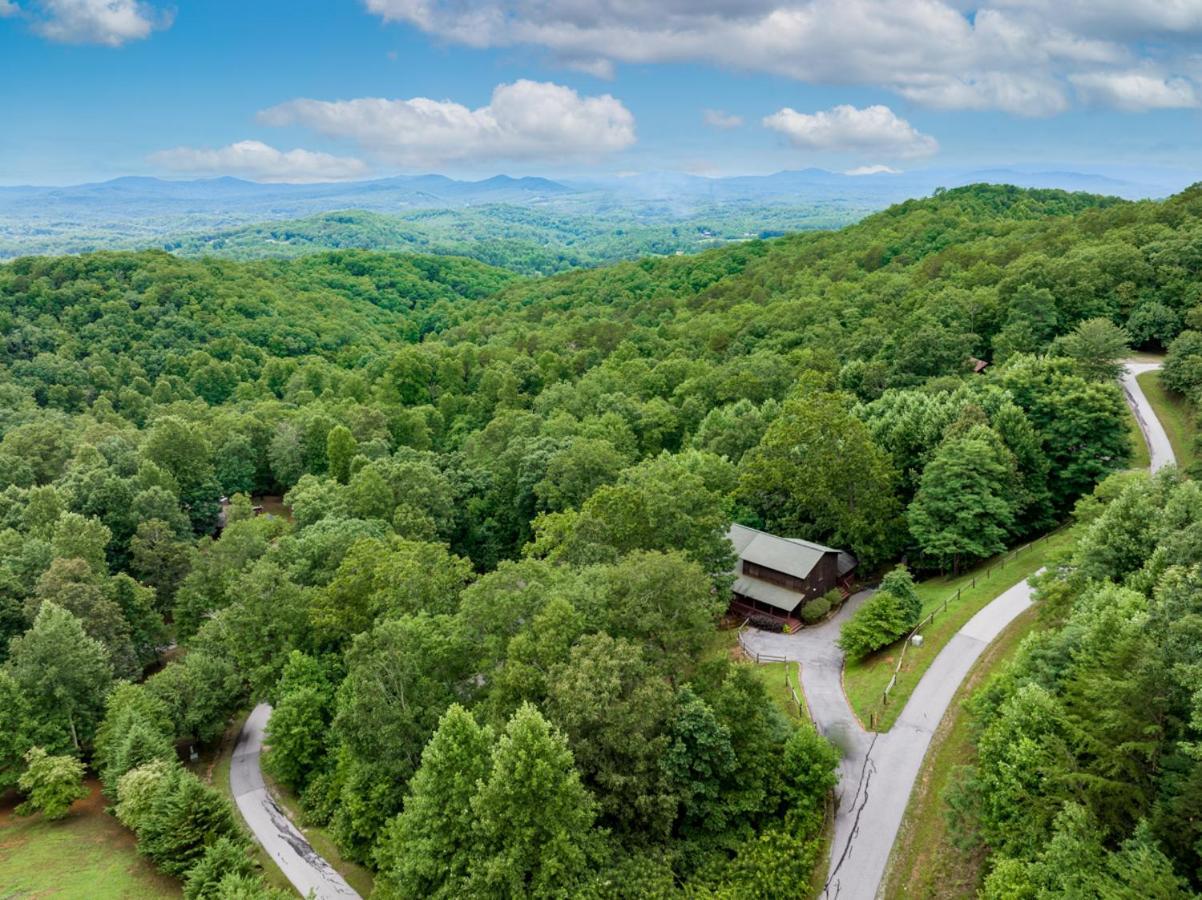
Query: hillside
x=509, y=498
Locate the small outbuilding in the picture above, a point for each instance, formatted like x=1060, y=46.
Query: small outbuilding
x=776, y=575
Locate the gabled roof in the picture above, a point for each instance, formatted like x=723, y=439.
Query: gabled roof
x=792, y=556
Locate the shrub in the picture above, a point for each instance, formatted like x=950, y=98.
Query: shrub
x=886, y=616
x=136, y=792
x=50, y=783
x=815, y=609
x=765, y=623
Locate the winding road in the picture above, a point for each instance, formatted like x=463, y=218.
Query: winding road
x=272, y=828
x=878, y=770
x=1159, y=448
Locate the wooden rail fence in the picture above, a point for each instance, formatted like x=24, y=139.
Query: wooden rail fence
x=1007, y=558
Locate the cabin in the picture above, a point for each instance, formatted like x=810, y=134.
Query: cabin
x=775, y=575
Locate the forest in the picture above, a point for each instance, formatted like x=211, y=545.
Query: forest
x=486, y=624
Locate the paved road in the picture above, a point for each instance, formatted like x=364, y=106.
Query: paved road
x=271, y=826
x=1158, y=442
x=877, y=772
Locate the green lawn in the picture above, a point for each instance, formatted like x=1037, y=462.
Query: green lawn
x=1175, y=414
x=777, y=677
x=87, y=854
x=865, y=681
x=925, y=863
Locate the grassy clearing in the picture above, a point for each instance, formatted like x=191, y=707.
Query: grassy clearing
x=356, y=876
x=1175, y=414
x=925, y=863
x=865, y=681
x=777, y=677
x=87, y=854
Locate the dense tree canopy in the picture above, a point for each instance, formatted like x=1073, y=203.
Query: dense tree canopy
x=495, y=513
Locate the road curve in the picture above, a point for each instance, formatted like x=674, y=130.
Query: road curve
x=1159, y=449
x=877, y=771
x=271, y=826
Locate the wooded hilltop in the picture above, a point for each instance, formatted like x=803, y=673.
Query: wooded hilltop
x=487, y=625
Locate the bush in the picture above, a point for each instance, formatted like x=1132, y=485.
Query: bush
x=886, y=616
x=815, y=609
x=764, y=623
x=51, y=784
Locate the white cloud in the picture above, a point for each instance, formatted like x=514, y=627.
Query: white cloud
x=716, y=118
x=525, y=120
x=873, y=129
x=8, y=8
x=108, y=22
x=873, y=170
x=1014, y=55
x=1135, y=91
x=254, y=159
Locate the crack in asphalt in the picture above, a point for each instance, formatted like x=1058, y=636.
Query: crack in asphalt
x=867, y=770
x=270, y=824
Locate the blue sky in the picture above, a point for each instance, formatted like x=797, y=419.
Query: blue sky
x=307, y=90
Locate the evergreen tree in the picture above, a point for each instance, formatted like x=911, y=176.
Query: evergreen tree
x=534, y=818
x=428, y=850
x=185, y=817
x=224, y=857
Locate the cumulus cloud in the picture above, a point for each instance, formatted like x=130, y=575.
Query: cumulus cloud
x=525, y=120
x=8, y=8
x=873, y=129
x=107, y=22
x=1135, y=90
x=716, y=118
x=1014, y=55
x=262, y=162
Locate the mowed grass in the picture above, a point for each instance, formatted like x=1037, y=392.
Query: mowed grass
x=89, y=854
x=925, y=863
x=1176, y=415
x=864, y=681
x=778, y=677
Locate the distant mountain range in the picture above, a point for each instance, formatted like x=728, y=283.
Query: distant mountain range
x=683, y=212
